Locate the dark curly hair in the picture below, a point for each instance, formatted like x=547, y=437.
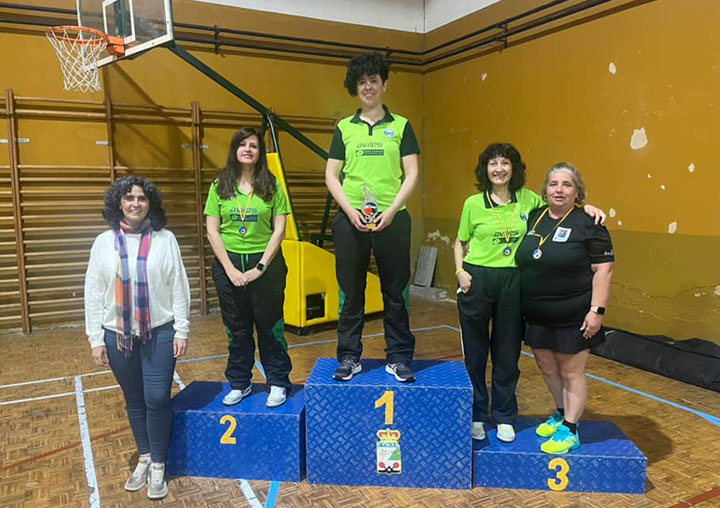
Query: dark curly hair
x=264, y=182
x=367, y=64
x=517, y=179
x=113, y=196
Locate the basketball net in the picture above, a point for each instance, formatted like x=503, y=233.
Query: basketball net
x=78, y=49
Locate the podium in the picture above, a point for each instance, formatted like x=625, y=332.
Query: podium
x=247, y=440
x=607, y=461
x=374, y=430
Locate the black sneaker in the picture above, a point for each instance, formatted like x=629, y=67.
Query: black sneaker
x=348, y=368
x=401, y=371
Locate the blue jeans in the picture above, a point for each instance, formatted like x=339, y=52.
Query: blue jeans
x=146, y=379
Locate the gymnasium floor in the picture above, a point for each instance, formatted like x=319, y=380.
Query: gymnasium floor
x=66, y=441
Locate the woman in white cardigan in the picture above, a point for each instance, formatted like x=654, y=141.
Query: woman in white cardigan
x=137, y=301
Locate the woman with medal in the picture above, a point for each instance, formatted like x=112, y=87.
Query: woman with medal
x=492, y=224
x=377, y=153
x=566, y=262
x=246, y=213
x=137, y=303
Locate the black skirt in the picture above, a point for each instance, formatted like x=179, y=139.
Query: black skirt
x=561, y=340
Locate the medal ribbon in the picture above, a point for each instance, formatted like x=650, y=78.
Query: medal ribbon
x=244, y=211
x=506, y=232
x=543, y=239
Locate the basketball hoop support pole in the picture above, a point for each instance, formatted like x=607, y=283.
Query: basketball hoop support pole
x=247, y=99
x=273, y=119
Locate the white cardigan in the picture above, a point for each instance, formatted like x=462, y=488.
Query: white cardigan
x=167, y=284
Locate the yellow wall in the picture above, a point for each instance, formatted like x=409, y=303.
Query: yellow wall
x=555, y=99
x=552, y=96
x=303, y=86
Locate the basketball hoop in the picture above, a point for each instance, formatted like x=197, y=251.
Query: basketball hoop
x=78, y=48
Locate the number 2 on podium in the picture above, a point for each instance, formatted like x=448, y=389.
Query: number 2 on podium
x=560, y=482
x=227, y=437
x=388, y=400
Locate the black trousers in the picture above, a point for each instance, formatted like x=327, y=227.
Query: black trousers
x=260, y=303
x=391, y=248
x=494, y=295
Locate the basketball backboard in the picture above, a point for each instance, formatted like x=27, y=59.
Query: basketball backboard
x=143, y=24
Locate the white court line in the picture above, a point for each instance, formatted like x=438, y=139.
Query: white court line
x=177, y=379
x=97, y=373
x=249, y=494
x=87, y=447
x=32, y=399
x=49, y=380
x=102, y=388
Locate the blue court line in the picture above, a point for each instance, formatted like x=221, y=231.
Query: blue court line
x=275, y=485
x=272, y=494
x=710, y=418
x=260, y=368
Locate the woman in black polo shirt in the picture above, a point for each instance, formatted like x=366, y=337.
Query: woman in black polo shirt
x=566, y=263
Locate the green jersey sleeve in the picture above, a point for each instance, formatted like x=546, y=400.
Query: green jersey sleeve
x=280, y=203
x=535, y=200
x=212, y=205
x=465, y=229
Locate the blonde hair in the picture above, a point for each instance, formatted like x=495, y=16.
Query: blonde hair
x=574, y=173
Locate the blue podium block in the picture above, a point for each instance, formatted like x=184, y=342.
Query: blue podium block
x=248, y=440
x=374, y=430
x=607, y=461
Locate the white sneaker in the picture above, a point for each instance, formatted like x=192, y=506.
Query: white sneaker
x=236, y=396
x=505, y=432
x=276, y=397
x=139, y=478
x=478, y=431
x=157, y=486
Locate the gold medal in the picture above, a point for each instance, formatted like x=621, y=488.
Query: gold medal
x=242, y=211
x=507, y=233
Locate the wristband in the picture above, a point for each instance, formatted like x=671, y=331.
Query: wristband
x=458, y=271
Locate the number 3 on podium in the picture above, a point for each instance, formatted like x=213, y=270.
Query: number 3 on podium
x=227, y=437
x=388, y=400
x=560, y=482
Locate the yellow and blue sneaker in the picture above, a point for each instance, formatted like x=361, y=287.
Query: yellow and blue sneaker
x=562, y=442
x=550, y=426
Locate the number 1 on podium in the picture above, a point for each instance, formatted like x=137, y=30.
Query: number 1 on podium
x=388, y=400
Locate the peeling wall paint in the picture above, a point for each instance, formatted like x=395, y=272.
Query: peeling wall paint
x=569, y=110
x=435, y=235
x=638, y=139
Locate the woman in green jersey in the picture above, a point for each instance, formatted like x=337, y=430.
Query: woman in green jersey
x=246, y=214
x=376, y=153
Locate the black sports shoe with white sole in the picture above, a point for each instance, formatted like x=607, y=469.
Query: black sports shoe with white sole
x=401, y=371
x=348, y=368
